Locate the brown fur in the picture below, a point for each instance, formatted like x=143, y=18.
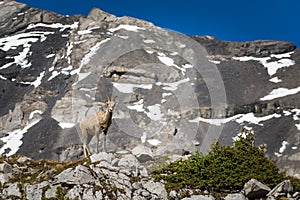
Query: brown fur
x=92, y=125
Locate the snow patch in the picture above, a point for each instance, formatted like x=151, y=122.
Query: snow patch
x=54, y=74
x=275, y=80
x=166, y=60
x=298, y=126
x=2, y=77
x=215, y=61
x=64, y=125
x=271, y=67
x=240, y=135
x=149, y=41
x=13, y=140
x=250, y=118
x=166, y=94
x=154, y=112
x=280, y=92
x=170, y=62
x=31, y=115
x=50, y=55
x=154, y=142
x=187, y=66
x=123, y=37
x=172, y=86
x=138, y=106
x=128, y=87
x=283, y=146
x=283, y=55
x=83, y=32
x=216, y=122
x=126, y=27
x=281, y=149
x=296, y=117
x=286, y=113
x=86, y=59
x=240, y=118
x=54, y=25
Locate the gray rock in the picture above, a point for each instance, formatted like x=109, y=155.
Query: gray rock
x=237, y=196
x=136, y=185
x=144, y=172
x=79, y=175
x=138, y=197
x=282, y=188
x=115, y=162
x=70, y=153
x=4, y=178
x=173, y=194
x=23, y=159
x=199, y=197
x=143, y=153
x=75, y=193
x=51, y=192
x=105, y=164
x=35, y=192
x=99, y=194
x=129, y=161
x=12, y=190
x=156, y=188
x=296, y=194
x=5, y=167
x=88, y=193
x=102, y=156
x=255, y=189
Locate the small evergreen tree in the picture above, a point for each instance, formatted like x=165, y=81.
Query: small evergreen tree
x=223, y=168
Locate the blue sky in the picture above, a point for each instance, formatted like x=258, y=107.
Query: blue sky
x=232, y=20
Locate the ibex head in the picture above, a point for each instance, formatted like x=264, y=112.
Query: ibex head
x=110, y=104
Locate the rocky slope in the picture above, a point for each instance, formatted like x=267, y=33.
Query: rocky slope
x=111, y=176
x=176, y=93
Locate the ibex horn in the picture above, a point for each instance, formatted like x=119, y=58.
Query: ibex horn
x=108, y=99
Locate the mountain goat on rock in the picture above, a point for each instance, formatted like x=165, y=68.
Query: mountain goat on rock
x=92, y=125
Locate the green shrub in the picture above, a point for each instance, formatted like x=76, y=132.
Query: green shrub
x=223, y=168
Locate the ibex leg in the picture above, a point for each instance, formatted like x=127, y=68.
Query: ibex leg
x=104, y=140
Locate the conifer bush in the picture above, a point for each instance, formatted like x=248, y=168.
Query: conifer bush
x=223, y=168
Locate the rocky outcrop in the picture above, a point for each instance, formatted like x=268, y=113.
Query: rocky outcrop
x=108, y=176
x=259, y=48
x=176, y=94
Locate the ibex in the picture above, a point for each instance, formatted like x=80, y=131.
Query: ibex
x=92, y=125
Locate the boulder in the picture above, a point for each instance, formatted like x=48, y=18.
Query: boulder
x=35, y=192
x=5, y=167
x=4, y=178
x=13, y=191
x=102, y=156
x=157, y=189
x=254, y=189
x=129, y=161
x=282, y=189
x=79, y=175
x=142, y=153
x=237, y=196
x=199, y=197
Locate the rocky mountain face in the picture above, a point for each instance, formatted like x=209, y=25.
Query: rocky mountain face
x=176, y=94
